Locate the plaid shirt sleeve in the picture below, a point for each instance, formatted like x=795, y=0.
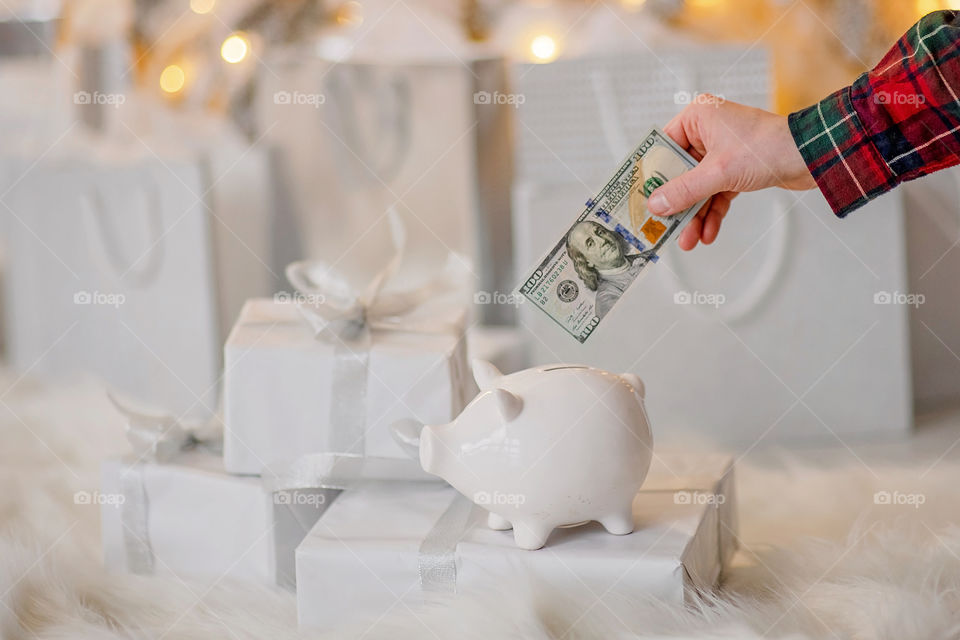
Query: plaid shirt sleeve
x=897, y=122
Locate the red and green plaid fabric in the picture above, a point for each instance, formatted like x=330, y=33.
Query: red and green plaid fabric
x=897, y=122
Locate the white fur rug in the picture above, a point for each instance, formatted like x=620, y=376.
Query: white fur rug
x=820, y=558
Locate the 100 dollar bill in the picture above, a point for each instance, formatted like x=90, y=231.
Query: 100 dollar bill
x=611, y=242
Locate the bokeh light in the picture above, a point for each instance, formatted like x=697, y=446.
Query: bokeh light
x=172, y=79
x=543, y=48
x=235, y=48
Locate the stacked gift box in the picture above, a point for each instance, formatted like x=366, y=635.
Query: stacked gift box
x=306, y=413
x=310, y=490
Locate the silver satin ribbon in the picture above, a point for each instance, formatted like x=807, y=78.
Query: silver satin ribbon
x=133, y=518
x=155, y=438
x=437, y=561
x=348, y=399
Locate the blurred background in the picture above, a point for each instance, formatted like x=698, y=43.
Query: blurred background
x=163, y=160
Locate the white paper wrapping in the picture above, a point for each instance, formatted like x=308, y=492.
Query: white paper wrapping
x=365, y=555
x=191, y=519
x=280, y=386
x=701, y=474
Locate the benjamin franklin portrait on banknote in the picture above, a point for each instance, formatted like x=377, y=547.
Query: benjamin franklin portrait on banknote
x=601, y=259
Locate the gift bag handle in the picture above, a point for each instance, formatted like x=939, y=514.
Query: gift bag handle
x=770, y=272
x=392, y=98
x=142, y=270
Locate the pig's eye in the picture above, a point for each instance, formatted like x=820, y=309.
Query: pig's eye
x=566, y=366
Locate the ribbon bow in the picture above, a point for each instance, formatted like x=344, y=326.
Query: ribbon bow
x=334, y=309
x=159, y=437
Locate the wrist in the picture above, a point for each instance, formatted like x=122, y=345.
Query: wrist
x=793, y=171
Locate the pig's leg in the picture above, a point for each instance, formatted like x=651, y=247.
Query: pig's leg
x=498, y=522
x=531, y=536
x=621, y=523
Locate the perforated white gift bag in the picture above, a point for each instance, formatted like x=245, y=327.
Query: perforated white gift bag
x=581, y=116
x=407, y=115
x=131, y=266
x=791, y=326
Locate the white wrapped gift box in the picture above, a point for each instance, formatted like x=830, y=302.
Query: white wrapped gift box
x=367, y=554
x=281, y=387
x=696, y=477
x=191, y=519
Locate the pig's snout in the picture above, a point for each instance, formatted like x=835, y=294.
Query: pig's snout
x=420, y=442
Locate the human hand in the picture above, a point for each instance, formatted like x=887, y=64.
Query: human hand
x=739, y=148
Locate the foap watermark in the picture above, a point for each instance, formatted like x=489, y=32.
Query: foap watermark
x=309, y=299
x=896, y=297
x=899, y=97
x=498, y=297
x=296, y=98
x=112, y=99
x=300, y=498
x=99, y=499
x=693, y=97
x=698, y=497
x=513, y=99
x=99, y=298
x=699, y=297
x=898, y=498
x=497, y=498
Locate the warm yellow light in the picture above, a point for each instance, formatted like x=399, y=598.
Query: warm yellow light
x=235, y=48
x=202, y=6
x=543, y=48
x=349, y=14
x=704, y=4
x=172, y=79
x=632, y=5
x=927, y=6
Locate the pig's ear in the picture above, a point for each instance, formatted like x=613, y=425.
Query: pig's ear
x=634, y=381
x=510, y=404
x=486, y=375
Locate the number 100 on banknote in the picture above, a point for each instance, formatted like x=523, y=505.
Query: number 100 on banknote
x=611, y=242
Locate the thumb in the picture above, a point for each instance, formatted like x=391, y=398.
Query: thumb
x=686, y=190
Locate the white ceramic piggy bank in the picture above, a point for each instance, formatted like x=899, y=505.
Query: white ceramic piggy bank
x=543, y=448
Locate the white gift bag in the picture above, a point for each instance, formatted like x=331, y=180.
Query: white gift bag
x=791, y=326
x=581, y=116
x=426, y=137
x=133, y=266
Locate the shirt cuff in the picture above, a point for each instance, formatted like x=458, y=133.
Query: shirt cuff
x=842, y=159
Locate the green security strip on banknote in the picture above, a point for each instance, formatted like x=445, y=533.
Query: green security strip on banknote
x=611, y=242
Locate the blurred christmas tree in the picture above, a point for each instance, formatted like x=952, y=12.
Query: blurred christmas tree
x=204, y=53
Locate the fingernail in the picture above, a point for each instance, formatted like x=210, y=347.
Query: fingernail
x=657, y=204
